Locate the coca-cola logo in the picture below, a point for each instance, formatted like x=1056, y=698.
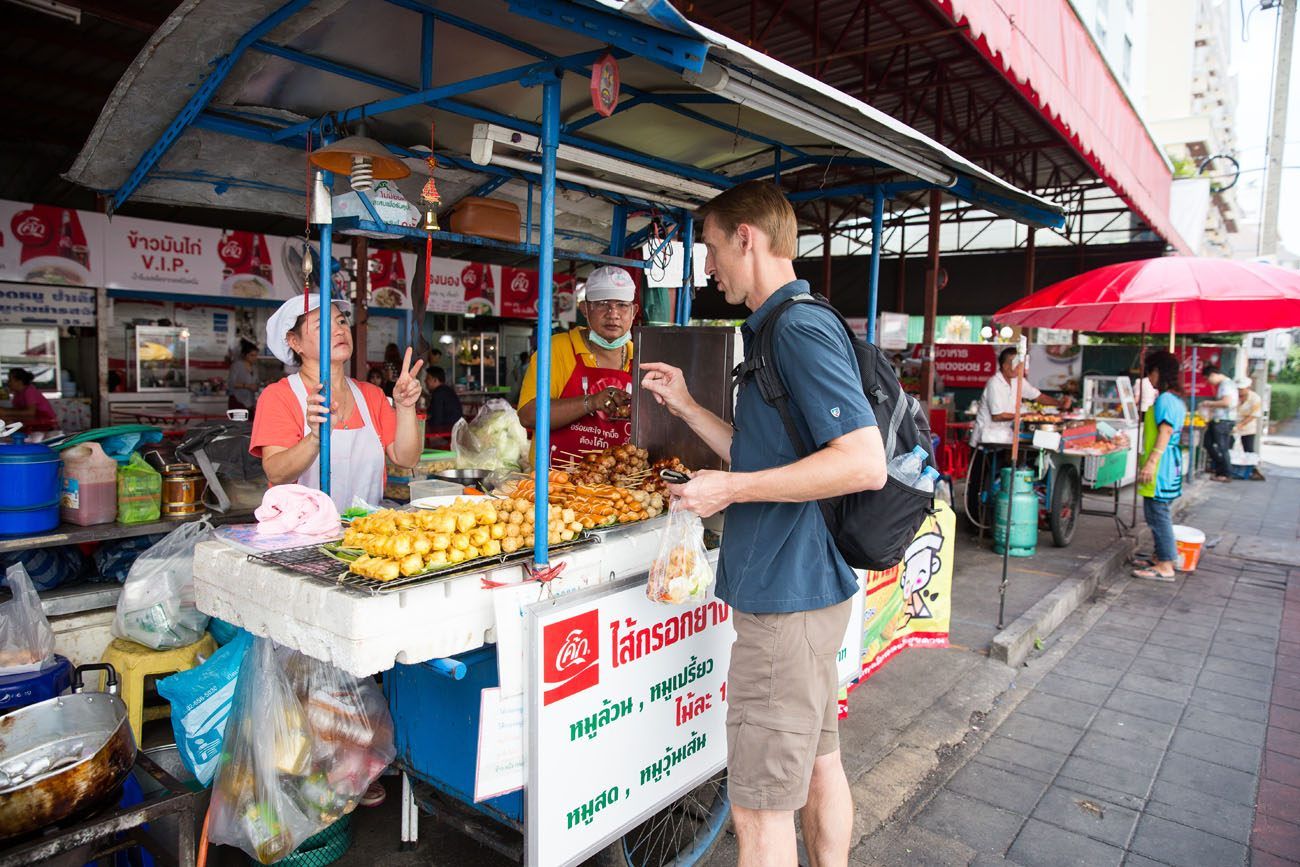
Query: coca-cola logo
x=231, y=250
x=30, y=229
x=571, y=653
x=520, y=284
x=469, y=277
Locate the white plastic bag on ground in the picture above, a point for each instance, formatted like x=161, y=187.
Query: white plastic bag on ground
x=681, y=571
x=156, y=607
x=494, y=440
x=26, y=640
x=303, y=743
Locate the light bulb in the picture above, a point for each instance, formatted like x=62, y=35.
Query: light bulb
x=1005, y=333
x=986, y=333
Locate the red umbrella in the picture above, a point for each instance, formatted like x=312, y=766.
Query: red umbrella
x=1192, y=295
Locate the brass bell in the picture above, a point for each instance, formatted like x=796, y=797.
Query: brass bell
x=430, y=223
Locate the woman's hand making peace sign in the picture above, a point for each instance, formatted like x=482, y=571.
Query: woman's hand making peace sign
x=406, y=391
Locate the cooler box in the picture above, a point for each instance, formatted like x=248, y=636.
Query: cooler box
x=30, y=687
x=487, y=218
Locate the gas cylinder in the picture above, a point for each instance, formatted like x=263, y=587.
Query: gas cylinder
x=1024, y=514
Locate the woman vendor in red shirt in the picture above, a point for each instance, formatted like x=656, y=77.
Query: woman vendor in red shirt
x=30, y=406
x=364, y=428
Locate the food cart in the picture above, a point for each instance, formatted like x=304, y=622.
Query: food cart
x=540, y=701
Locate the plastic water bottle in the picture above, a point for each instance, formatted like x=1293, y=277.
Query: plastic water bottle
x=907, y=468
x=929, y=479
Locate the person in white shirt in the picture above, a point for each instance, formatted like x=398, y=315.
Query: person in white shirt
x=998, y=402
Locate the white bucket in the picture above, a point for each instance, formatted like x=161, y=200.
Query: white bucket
x=1189, y=542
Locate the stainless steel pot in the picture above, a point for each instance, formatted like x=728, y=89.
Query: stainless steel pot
x=63, y=755
x=466, y=478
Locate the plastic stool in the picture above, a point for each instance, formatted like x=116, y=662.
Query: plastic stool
x=135, y=663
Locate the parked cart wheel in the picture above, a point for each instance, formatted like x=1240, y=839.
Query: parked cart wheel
x=682, y=834
x=1063, y=510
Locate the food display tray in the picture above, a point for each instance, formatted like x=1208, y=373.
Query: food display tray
x=314, y=562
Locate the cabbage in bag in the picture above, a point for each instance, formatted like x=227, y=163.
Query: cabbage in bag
x=157, y=607
x=494, y=440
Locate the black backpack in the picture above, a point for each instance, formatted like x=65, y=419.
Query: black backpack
x=871, y=529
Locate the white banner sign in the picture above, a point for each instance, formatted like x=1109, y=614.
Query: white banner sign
x=26, y=304
x=626, y=713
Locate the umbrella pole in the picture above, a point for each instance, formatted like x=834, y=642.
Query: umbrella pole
x=1023, y=351
x=1142, y=417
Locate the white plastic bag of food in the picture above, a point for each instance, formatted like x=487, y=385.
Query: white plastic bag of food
x=156, y=607
x=494, y=440
x=303, y=743
x=26, y=640
x=267, y=753
x=681, y=571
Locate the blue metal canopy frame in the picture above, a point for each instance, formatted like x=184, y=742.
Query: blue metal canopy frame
x=678, y=51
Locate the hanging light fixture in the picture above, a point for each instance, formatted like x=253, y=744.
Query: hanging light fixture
x=362, y=159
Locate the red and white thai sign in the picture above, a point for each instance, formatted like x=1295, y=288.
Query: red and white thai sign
x=571, y=656
x=963, y=365
x=46, y=244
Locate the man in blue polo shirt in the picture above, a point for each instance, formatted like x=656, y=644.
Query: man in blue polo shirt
x=779, y=568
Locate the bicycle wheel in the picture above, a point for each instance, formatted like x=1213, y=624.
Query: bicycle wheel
x=1067, y=498
x=681, y=834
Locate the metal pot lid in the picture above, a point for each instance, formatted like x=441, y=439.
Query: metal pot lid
x=27, y=453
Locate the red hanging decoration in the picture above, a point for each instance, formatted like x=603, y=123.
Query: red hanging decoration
x=431, y=200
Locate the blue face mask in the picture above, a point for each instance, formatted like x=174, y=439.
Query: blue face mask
x=609, y=344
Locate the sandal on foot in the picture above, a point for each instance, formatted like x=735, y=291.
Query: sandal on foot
x=1152, y=575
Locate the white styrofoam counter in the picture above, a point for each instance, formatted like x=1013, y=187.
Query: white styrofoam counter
x=365, y=633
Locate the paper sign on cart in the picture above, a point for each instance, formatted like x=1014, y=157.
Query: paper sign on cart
x=510, y=604
x=500, y=745
x=848, y=661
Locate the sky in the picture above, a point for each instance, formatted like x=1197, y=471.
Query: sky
x=1252, y=56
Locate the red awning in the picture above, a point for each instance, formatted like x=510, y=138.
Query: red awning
x=1048, y=55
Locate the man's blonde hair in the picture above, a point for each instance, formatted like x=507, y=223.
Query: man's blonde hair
x=760, y=204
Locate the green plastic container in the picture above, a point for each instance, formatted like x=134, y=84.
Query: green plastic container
x=1024, y=514
x=324, y=848
x=139, y=492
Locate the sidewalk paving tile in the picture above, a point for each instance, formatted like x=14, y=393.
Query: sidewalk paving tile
x=1283, y=741
x=977, y=824
x=1227, y=783
x=1113, y=751
x=1240, y=668
x=1169, y=638
x=1173, y=672
x=1202, y=810
x=1023, y=755
x=1234, y=685
x=999, y=786
x=1228, y=650
x=1158, y=687
x=1284, y=718
x=1041, y=843
x=1084, y=691
x=1260, y=858
x=1128, y=727
x=1176, y=655
x=1281, y=767
x=1040, y=732
x=1087, y=814
x=1286, y=697
x=1184, y=846
x=1278, y=799
x=1276, y=835
x=1148, y=706
x=1129, y=782
x=1245, y=709
x=1066, y=711
x=1220, y=751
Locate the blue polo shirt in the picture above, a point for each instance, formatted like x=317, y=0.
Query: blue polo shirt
x=779, y=557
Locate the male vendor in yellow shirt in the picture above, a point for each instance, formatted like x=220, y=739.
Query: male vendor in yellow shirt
x=591, y=371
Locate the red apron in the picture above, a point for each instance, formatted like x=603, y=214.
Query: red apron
x=596, y=431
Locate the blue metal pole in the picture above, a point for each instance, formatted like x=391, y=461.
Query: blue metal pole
x=326, y=278
x=618, y=231
x=426, y=51
x=877, y=227
x=688, y=273
x=550, y=140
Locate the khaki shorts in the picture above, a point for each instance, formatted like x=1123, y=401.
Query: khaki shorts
x=782, y=703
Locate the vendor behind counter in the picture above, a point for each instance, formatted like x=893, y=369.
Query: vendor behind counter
x=591, y=371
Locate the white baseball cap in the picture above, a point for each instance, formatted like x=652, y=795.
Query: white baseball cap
x=610, y=283
x=283, y=320
x=1245, y=382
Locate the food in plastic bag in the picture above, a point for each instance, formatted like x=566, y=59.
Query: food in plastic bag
x=681, y=570
x=201, y=700
x=304, y=742
x=494, y=440
x=26, y=640
x=156, y=607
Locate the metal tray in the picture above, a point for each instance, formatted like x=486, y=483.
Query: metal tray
x=315, y=563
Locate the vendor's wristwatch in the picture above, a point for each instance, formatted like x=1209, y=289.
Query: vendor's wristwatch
x=586, y=404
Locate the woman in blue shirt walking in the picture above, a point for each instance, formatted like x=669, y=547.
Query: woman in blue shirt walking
x=1160, y=480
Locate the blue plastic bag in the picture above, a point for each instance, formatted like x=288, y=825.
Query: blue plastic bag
x=222, y=632
x=200, y=700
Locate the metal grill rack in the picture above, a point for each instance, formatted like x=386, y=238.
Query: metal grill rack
x=315, y=563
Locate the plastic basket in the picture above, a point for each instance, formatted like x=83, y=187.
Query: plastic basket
x=1102, y=471
x=324, y=848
